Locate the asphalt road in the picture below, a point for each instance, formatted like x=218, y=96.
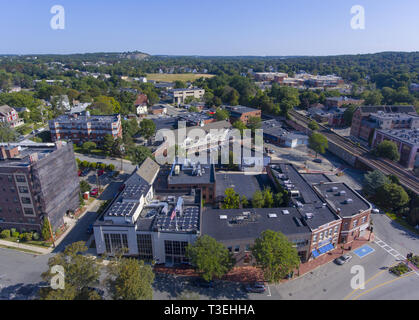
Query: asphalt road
x=127, y=166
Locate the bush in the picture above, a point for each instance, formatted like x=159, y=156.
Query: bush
x=12, y=230
x=93, y=165
x=27, y=236
x=5, y=234
x=36, y=236
x=399, y=269
x=110, y=167
x=15, y=234
x=415, y=260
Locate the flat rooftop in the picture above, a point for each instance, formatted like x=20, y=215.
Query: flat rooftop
x=240, y=109
x=91, y=118
x=315, y=178
x=244, y=185
x=190, y=174
x=238, y=224
x=26, y=150
x=339, y=196
x=409, y=136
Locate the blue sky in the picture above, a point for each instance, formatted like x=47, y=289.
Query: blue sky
x=203, y=27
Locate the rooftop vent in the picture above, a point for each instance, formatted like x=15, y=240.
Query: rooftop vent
x=272, y=215
x=349, y=201
x=309, y=215
x=285, y=212
x=342, y=193
x=223, y=217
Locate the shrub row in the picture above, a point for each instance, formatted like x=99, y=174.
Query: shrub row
x=23, y=236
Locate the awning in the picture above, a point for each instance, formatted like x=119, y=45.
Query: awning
x=326, y=248
x=315, y=253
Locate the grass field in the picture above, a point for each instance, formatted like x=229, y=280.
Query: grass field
x=174, y=77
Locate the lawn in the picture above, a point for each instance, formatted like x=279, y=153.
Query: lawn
x=402, y=222
x=179, y=76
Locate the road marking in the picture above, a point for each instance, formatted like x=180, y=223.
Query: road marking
x=382, y=284
x=384, y=246
x=269, y=289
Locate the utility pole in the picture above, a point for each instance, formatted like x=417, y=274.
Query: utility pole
x=50, y=231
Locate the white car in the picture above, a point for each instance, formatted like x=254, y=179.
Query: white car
x=375, y=210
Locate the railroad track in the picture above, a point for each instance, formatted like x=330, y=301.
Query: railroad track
x=387, y=167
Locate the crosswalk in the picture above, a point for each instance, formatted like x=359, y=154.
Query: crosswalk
x=389, y=249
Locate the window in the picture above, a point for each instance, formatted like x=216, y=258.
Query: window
x=23, y=190
x=28, y=212
x=26, y=200
x=330, y=232
x=230, y=249
x=321, y=236
x=107, y=243
x=364, y=219
x=355, y=223
x=336, y=229
x=20, y=178
x=236, y=249
x=315, y=238
x=145, y=247
x=247, y=248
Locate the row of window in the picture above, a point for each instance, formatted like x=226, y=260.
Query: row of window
x=21, y=189
x=115, y=242
x=27, y=211
x=247, y=248
x=19, y=178
x=326, y=234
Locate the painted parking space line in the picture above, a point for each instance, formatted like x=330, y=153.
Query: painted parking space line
x=269, y=290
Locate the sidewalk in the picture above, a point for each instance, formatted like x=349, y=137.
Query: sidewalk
x=36, y=249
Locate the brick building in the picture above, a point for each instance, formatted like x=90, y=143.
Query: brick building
x=368, y=118
x=242, y=113
x=80, y=129
x=37, y=180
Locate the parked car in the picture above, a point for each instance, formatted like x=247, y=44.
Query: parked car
x=203, y=283
x=318, y=160
x=94, y=192
x=79, y=172
x=343, y=259
x=257, y=287
x=90, y=229
x=85, y=172
x=100, y=172
x=375, y=210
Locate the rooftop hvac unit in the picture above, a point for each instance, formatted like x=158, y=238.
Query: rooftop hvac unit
x=272, y=215
x=349, y=201
x=309, y=215
x=285, y=212
x=334, y=188
x=342, y=193
x=223, y=217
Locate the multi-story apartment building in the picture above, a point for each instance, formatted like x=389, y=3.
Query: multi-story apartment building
x=80, y=129
x=368, y=118
x=9, y=115
x=180, y=95
x=37, y=181
x=341, y=101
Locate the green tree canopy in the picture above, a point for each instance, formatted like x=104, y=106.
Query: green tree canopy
x=374, y=180
x=130, y=279
x=231, y=199
x=387, y=149
x=391, y=196
x=210, y=257
x=313, y=125
x=275, y=255
x=7, y=134
x=222, y=114
x=318, y=143
x=147, y=128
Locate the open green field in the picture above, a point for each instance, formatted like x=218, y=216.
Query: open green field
x=179, y=76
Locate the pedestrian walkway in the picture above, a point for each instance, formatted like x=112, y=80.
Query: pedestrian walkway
x=18, y=246
x=389, y=249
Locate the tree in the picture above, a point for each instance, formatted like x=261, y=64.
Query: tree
x=210, y=257
x=374, y=180
x=313, y=125
x=84, y=186
x=279, y=199
x=105, y=105
x=391, y=197
x=387, y=149
x=348, y=114
x=193, y=109
x=130, y=279
x=147, y=128
x=222, y=114
x=254, y=123
x=275, y=255
x=231, y=199
x=138, y=154
x=318, y=143
x=46, y=229
x=89, y=146
x=244, y=202
x=80, y=273
x=108, y=141
x=240, y=126
x=7, y=134
x=258, y=200
x=179, y=84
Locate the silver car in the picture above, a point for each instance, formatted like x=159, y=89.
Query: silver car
x=343, y=259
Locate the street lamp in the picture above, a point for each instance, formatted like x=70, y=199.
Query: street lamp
x=122, y=149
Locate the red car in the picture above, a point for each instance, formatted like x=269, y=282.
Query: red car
x=100, y=172
x=79, y=173
x=94, y=192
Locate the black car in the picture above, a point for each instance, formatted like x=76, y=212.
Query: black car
x=318, y=160
x=257, y=287
x=203, y=283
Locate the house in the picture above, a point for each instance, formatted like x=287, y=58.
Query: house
x=62, y=102
x=180, y=95
x=141, y=104
x=9, y=115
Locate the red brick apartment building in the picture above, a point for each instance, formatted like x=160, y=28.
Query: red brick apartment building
x=80, y=129
x=243, y=113
x=368, y=118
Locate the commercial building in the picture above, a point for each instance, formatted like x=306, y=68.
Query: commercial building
x=407, y=141
x=242, y=113
x=80, y=129
x=368, y=118
x=180, y=95
x=158, y=110
x=197, y=119
x=37, y=180
x=274, y=133
x=186, y=175
x=341, y=101
x=9, y=115
x=152, y=227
